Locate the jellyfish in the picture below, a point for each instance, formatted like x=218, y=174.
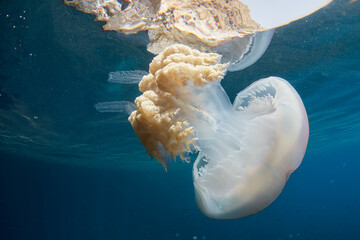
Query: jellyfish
x=246, y=150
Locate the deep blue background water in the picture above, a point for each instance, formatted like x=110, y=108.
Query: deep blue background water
x=69, y=172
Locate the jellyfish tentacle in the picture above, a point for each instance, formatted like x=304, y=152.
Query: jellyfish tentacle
x=126, y=77
x=115, y=106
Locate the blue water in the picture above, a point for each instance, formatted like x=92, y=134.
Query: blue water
x=69, y=172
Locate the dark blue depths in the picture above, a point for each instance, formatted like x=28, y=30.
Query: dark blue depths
x=69, y=172
x=42, y=200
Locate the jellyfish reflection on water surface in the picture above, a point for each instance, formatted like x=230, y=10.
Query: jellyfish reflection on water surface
x=248, y=149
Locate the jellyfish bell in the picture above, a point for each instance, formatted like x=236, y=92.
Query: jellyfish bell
x=247, y=150
x=268, y=130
